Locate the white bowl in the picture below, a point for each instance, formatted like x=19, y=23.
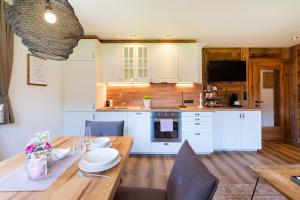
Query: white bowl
x=59, y=153
x=100, y=142
x=90, y=146
x=100, y=157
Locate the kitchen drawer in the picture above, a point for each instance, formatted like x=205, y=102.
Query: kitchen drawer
x=201, y=143
x=197, y=133
x=197, y=114
x=197, y=119
x=165, y=147
x=205, y=126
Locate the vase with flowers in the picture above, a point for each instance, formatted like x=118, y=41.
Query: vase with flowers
x=39, y=146
x=38, y=155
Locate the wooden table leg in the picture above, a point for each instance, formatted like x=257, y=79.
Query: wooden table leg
x=253, y=193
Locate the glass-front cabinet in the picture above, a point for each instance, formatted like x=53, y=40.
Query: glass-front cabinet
x=135, y=63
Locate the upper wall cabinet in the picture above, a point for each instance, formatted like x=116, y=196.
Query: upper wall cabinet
x=135, y=63
x=155, y=63
x=86, y=50
x=83, y=76
x=164, y=63
x=190, y=63
x=111, y=61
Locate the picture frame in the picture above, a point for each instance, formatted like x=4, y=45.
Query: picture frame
x=37, y=71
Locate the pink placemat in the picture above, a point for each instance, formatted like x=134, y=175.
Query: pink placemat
x=18, y=181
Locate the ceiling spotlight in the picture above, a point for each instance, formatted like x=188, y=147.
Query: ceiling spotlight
x=133, y=36
x=168, y=36
x=294, y=37
x=49, y=16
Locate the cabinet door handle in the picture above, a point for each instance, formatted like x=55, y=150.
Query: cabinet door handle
x=240, y=115
x=197, y=123
x=166, y=144
x=243, y=115
x=197, y=119
x=93, y=106
x=197, y=114
x=93, y=56
x=138, y=113
x=93, y=116
x=197, y=134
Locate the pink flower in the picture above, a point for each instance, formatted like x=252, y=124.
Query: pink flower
x=29, y=148
x=47, y=146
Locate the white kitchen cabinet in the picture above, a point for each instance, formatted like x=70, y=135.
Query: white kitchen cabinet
x=251, y=133
x=197, y=128
x=79, y=85
x=74, y=122
x=111, y=61
x=228, y=129
x=190, y=63
x=237, y=130
x=164, y=63
x=139, y=129
x=136, y=63
x=113, y=116
x=85, y=50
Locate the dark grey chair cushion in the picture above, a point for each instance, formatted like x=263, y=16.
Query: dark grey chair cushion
x=127, y=193
x=190, y=179
x=105, y=128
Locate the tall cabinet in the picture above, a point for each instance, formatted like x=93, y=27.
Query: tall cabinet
x=83, y=78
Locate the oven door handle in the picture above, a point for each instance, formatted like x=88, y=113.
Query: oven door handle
x=158, y=119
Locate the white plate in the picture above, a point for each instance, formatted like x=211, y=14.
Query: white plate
x=91, y=147
x=85, y=168
x=100, y=142
x=100, y=156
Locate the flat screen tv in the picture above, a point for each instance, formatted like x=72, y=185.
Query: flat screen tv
x=234, y=71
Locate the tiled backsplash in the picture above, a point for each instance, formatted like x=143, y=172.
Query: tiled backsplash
x=168, y=95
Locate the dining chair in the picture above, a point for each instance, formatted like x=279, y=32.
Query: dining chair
x=189, y=180
x=104, y=128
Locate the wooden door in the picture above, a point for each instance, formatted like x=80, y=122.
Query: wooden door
x=268, y=95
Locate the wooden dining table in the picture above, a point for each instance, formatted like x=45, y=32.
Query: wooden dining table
x=279, y=176
x=72, y=185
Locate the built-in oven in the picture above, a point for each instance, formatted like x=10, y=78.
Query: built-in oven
x=165, y=126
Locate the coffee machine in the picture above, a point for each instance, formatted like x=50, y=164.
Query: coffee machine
x=234, y=100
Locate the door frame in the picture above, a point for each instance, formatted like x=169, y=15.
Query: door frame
x=269, y=134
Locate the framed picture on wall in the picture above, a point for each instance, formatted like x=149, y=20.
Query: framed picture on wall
x=37, y=71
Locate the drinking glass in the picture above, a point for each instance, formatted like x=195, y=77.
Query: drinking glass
x=87, y=135
x=79, y=145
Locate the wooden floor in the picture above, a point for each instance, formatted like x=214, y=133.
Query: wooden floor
x=229, y=167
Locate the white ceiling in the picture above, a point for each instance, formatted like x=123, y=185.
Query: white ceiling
x=218, y=23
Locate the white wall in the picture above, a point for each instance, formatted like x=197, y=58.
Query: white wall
x=267, y=107
x=35, y=108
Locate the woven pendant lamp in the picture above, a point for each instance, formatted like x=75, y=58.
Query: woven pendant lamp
x=49, y=36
